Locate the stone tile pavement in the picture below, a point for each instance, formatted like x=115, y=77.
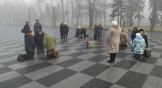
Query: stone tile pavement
x=77, y=67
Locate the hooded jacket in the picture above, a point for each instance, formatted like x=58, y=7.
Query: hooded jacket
x=39, y=39
x=29, y=43
x=138, y=45
x=49, y=41
x=133, y=35
x=113, y=39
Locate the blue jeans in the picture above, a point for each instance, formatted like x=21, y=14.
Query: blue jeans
x=40, y=49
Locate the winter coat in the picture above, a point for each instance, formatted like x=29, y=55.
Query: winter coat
x=61, y=28
x=80, y=31
x=138, y=45
x=39, y=39
x=37, y=26
x=95, y=30
x=133, y=35
x=26, y=28
x=49, y=41
x=99, y=31
x=145, y=38
x=29, y=43
x=113, y=39
x=65, y=29
x=124, y=38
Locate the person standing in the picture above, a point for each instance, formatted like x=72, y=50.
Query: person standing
x=124, y=38
x=133, y=35
x=142, y=32
x=37, y=26
x=138, y=46
x=99, y=31
x=38, y=38
x=112, y=41
x=26, y=27
x=29, y=46
x=49, y=43
x=95, y=31
x=66, y=30
x=61, y=30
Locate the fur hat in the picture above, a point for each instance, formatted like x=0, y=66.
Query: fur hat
x=114, y=23
x=138, y=34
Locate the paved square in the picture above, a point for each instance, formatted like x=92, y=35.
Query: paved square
x=77, y=67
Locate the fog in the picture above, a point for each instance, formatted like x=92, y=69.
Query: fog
x=80, y=12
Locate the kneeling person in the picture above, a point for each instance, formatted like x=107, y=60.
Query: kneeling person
x=29, y=46
x=138, y=46
x=38, y=38
x=81, y=31
x=49, y=43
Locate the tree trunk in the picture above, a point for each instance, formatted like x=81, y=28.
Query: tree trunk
x=104, y=13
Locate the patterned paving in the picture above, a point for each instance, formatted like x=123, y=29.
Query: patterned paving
x=77, y=67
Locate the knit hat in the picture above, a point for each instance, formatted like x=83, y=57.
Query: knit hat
x=138, y=34
x=114, y=23
x=65, y=23
x=79, y=27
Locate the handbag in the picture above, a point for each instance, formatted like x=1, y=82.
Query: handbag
x=23, y=31
x=148, y=53
x=90, y=44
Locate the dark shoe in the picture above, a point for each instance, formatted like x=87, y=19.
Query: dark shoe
x=19, y=57
x=110, y=61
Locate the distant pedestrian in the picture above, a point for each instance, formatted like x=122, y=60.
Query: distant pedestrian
x=38, y=38
x=99, y=31
x=138, y=46
x=95, y=31
x=29, y=46
x=26, y=27
x=49, y=43
x=65, y=31
x=37, y=26
x=112, y=41
x=124, y=38
x=61, y=30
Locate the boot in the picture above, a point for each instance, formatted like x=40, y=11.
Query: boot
x=54, y=54
x=110, y=61
x=19, y=57
x=57, y=54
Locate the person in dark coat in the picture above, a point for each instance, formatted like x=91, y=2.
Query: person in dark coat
x=26, y=27
x=133, y=35
x=37, y=26
x=61, y=29
x=65, y=31
x=142, y=32
x=38, y=38
x=29, y=46
x=81, y=31
x=99, y=31
x=95, y=31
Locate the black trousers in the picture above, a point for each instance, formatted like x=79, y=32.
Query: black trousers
x=112, y=56
x=84, y=35
x=95, y=37
x=65, y=36
x=123, y=45
x=28, y=55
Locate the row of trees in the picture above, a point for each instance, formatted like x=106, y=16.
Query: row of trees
x=78, y=12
